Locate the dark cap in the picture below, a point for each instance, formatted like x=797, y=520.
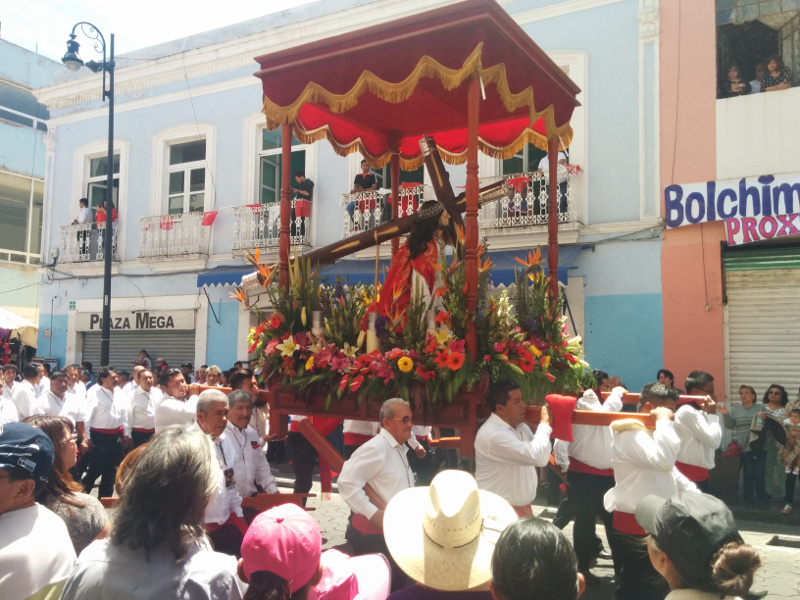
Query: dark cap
x=690, y=528
x=186, y=365
x=26, y=448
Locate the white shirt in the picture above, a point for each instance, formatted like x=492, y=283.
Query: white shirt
x=544, y=165
x=85, y=216
x=700, y=435
x=203, y=574
x=253, y=468
x=106, y=409
x=67, y=407
x=361, y=427
x=419, y=431
x=382, y=463
x=644, y=464
x=8, y=411
x=226, y=499
x=592, y=444
x=36, y=553
x=130, y=388
x=143, y=408
x=42, y=386
x=8, y=390
x=505, y=458
x=25, y=399
x=171, y=411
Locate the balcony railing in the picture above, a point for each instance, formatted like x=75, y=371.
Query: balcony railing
x=527, y=202
x=259, y=225
x=84, y=243
x=365, y=210
x=171, y=237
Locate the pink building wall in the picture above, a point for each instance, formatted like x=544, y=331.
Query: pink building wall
x=690, y=261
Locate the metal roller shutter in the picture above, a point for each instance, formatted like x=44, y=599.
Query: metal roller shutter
x=175, y=346
x=763, y=322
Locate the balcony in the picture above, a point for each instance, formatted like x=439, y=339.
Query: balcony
x=173, y=237
x=527, y=202
x=84, y=243
x=259, y=226
x=365, y=210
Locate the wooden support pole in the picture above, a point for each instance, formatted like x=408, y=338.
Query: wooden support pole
x=286, y=205
x=471, y=242
x=394, y=167
x=552, y=216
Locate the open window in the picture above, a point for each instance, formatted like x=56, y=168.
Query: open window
x=270, y=165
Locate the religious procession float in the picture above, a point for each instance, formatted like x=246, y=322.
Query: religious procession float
x=431, y=88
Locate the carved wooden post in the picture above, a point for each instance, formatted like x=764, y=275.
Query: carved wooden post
x=394, y=145
x=552, y=216
x=471, y=254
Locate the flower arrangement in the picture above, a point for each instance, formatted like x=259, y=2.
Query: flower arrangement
x=5, y=350
x=412, y=358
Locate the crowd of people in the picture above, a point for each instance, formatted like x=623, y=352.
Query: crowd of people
x=180, y=530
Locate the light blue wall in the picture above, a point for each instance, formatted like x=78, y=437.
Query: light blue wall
x=19, y=286
x=21, y=150
x=222, y=336
x=24, y=67
x=57, y=344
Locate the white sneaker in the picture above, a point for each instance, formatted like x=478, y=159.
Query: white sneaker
x=786, y=509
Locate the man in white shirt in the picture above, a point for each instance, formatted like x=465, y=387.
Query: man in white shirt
x=143, y=402
x=224, y=520
x=381, y=463
x=644, y=464
x=85, y=214
x=36, y=552
x=8, y=410
x=213, y=373
x=178, y=406
x=44, y=380
x=130, y=387
x=252, y=473
x=698, y=428
x=108, y=430
x=56, y=401
x=10, y=380
x=590, y=476
x=506, y=450
x=25, y=392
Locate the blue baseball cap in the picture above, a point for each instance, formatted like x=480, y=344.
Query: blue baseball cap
x=27, y=449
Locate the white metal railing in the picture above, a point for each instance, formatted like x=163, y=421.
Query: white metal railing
x=169, y=237
x=527, y=201
x=365, y=210
x=85, y=243
x=259, y=225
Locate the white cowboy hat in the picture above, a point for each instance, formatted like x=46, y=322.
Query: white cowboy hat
x=443, y=536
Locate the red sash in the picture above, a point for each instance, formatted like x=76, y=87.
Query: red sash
x=581, y=467
x=356, y=439
x=626, y=523
x=143, y=430
x=233, y=519
x=365, y=526
x=106, y=431
x=692, y=472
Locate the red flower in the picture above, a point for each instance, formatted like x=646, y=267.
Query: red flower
x=4, y=360
x=571, y=358
x=455, y=361
x=498, y=347
x=356, y=383
x=441, y=359
x=442, y=316
x=424, y=374
x=487, y=358
x=456, y=346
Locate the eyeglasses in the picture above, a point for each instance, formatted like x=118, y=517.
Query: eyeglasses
x=72, y=438
x=774, y=392
x=404, y=420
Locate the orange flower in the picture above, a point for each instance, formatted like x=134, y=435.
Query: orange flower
x=240, y=295
x=441, y=359
x=455, y=361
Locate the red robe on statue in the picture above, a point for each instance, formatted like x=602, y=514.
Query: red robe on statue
x=401, y=275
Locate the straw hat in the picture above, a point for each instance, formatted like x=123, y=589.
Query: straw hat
x=443, y=536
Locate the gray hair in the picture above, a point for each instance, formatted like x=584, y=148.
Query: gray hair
x=388, y=408
x=214, y=369
x=237, y=396
x=167, y=492
x=208, y=398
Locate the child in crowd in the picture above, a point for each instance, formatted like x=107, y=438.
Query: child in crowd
x=789, y=455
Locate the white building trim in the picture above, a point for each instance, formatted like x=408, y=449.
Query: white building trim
x=559, y=10
x=648, y=37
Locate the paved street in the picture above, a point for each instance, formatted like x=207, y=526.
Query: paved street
x=779, y=575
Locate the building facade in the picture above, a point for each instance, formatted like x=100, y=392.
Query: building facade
x=197, y=179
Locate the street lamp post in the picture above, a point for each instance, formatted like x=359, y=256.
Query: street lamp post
x=73, y=62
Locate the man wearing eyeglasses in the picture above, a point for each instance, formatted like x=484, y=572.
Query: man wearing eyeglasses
x=382, y=463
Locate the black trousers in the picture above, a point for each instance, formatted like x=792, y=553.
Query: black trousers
x=363, y=543
x=586, y=493
x=637, y=579
x=425, y=468
x=104, y=459
x=304, y=456
x=140, y=438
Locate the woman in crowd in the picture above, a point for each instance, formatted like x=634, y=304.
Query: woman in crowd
x=737, y=419
x=145, y=358
x=534, y=561
x=774, y=403
x=83, y=514
x=157, y=547
x=665, y=377
x=735, y=85
x=777, y=77
x=755, y=84
x=694, y=544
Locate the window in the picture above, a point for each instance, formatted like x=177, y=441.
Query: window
x=270, y=165
x=21, y=201
x=525, y=161
x=98, y=179
x=384, y=175
x=187, y=177
x=748, y=34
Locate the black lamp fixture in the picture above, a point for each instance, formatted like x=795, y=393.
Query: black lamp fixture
x=73, y=62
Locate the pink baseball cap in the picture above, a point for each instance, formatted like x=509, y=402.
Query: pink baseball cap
x=284, y=540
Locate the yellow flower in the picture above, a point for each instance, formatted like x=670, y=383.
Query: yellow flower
x=310, y=363
x=546, y=362
x=535, y=351
x=349, y=351
x=288, y=347
x=442, y=335
x=405, y=364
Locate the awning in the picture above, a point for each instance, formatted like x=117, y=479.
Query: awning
x=505, y=264
x=222, y=276
x=12, y=323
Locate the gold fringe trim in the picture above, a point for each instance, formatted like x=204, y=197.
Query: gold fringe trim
x=369, y=82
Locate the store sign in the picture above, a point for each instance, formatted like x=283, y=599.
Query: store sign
x=754, y=229
x=749, y=197
x=140, y=320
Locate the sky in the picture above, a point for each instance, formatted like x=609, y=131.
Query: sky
x=44, y=26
